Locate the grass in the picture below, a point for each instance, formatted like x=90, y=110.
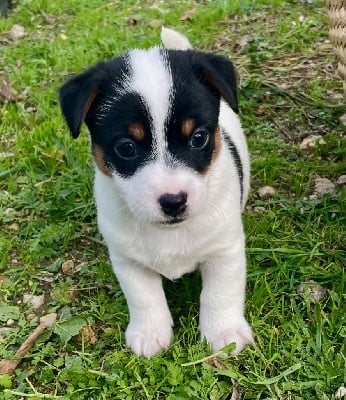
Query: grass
x=288, y=92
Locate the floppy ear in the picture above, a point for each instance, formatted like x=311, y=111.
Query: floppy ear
x=78, y=94
x=219, y=74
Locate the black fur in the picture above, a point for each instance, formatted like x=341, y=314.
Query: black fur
x=199, y=81
x=237, y=160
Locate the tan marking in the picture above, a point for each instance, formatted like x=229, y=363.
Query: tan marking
x=136, y=130
x=216, y=151
x=89, y=103
x=188, y=126
x=99, y=157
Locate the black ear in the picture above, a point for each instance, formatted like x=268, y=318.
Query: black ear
x=219, y=74
x=77, y=95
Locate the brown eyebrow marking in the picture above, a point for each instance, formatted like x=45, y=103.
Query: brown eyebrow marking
x=217, y=147
x=188, y=126
x=136, y=130
x=216, y=151
x=99, y=157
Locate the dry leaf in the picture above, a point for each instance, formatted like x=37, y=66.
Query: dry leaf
x=6, y=90
x=73, y=295
x=188, y=14
x=87, y=336
x=242, y=42
x=67, y=267
x=235, y=394
x=48, y=18
x=217, y=363
x=312, y=290
x=132, y=21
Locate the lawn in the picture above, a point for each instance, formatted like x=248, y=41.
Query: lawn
x=296, y=237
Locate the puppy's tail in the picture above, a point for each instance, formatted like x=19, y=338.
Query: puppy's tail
x=174, y=40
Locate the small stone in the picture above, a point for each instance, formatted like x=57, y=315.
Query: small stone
x=30, y=317
x=323, y=186
x=156, y=23
x=16, y=32
x=341, y=180
x=9, y=212
x=266, y=192
x=313, y=290
x=340, y=393
x=259, y=209
x=10, y=322
x=309, y=143
x=67, y=267
x=35, y=301
x=343, y=119
x=13, y=227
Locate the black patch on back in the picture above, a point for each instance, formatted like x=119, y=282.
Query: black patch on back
x=237, y=160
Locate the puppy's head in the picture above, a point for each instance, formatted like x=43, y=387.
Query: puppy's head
x=153, y=119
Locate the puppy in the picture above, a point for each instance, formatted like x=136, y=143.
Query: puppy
x=171, y=180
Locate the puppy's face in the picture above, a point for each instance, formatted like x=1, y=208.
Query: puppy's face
x=153, y=120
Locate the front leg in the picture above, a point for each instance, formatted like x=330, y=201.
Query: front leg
x=222, y=301
x=150, y=327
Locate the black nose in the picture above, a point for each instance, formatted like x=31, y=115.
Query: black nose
x=173, y=204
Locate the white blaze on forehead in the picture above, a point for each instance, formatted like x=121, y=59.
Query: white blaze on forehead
x=151, y=78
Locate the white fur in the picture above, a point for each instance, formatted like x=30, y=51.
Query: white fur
x=151, y=78
x=174, y=40
x=142, y=248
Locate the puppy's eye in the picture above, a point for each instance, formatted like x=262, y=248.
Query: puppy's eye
x=125, y=149
x=199, y=139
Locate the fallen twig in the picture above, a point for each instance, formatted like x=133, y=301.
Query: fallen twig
x=8, y=366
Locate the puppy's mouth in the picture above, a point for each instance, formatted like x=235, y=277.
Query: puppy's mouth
x=173, y=221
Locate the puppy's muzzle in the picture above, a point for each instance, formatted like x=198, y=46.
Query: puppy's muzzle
x=173, y=205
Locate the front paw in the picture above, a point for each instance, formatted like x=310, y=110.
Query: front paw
x=147, y=338
x=221, y=333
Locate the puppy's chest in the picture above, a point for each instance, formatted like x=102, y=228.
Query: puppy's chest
x=167, y=253
x=172, y=254
x=172, y=266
